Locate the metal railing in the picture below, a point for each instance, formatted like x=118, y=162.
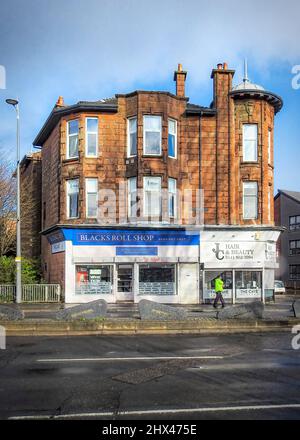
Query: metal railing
x=32, y=293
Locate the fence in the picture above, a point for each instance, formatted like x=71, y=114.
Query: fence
x=33, y=293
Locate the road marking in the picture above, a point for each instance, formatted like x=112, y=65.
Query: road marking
x=162, y=411
x=139, y=358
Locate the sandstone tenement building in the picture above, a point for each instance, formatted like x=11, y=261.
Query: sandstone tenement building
x=155, y=142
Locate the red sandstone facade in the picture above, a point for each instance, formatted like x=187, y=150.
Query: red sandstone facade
x=209, y=154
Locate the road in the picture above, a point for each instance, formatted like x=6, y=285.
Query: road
x=255, y=376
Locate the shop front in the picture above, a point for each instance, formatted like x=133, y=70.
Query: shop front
x=130, y=264
x=246, y=260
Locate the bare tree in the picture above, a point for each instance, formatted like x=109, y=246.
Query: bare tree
x=7, y=208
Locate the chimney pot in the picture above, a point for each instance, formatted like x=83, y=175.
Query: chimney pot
x=225, y=66
x=220, y=66
x=179, y=67
x=60, y=102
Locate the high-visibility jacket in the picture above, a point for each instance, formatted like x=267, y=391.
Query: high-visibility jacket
x=219, y=285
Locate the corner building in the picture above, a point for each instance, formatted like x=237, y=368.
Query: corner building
x=154, y=145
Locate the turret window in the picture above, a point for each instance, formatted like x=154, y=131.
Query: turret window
x=72, y=139
x=152, y=135
x=250, y=143
x=250, y=200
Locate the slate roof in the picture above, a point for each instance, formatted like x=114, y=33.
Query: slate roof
x=295, y=195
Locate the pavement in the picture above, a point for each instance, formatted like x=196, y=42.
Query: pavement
x=187, y=377
x=281, y=309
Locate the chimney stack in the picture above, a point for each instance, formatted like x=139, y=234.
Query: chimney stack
x=179, y=77
x=60, y=102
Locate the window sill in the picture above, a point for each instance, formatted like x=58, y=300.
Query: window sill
x=250, y=163
x=71, y=159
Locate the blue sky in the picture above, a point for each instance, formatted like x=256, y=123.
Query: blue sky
x=90, y=49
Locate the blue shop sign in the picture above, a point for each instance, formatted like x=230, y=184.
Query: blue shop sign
x=130, y=237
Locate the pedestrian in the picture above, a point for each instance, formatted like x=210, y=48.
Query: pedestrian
x=219, y=287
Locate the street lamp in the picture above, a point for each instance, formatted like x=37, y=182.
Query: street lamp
x=15, y=104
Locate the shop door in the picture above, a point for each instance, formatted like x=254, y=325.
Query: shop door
x=125, y=282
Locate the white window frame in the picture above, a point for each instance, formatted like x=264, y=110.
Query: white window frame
x=128, y=136
x=256, y=144
x=176, y=125
x=86, y=136
x=68, y=139
x=157, y=131
x=94, y=179
x=145, y=211
x=68, y=201
x=174, y=215
x=244, y=185
x=129, y=195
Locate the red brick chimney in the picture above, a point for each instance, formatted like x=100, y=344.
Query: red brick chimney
x=179, y=77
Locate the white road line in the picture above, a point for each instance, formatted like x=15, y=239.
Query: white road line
x=163, y=411
x=139, y=358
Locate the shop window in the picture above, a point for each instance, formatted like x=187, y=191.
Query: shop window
x=250, y=143
x=72, y=139
x=295, y=247
x=72, y=198
x=91, y=187
x=295, y=272
x=152, y=135
x=248, y=284
x=152, y=196
x=91, y=141
x=132, y=137
x=96, y=279
x=157, y=279
x=172, y=138
x=294, y=222
x=250, y=200
x=209, y=284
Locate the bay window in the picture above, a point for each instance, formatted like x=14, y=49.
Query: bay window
x=152, y=135
x=91, y=140
x=131, y=137
x=250, y=200
x=91, y=197
x=72, y=198
x=250, y=143
x=172, y=197
x=72, y=139
x=172, y=138
x=132, y=196
x=152, y=196
x=269, y=145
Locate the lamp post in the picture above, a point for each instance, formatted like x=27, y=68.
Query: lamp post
x=15, y=104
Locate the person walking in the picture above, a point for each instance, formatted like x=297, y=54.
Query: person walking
x=219, y=287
